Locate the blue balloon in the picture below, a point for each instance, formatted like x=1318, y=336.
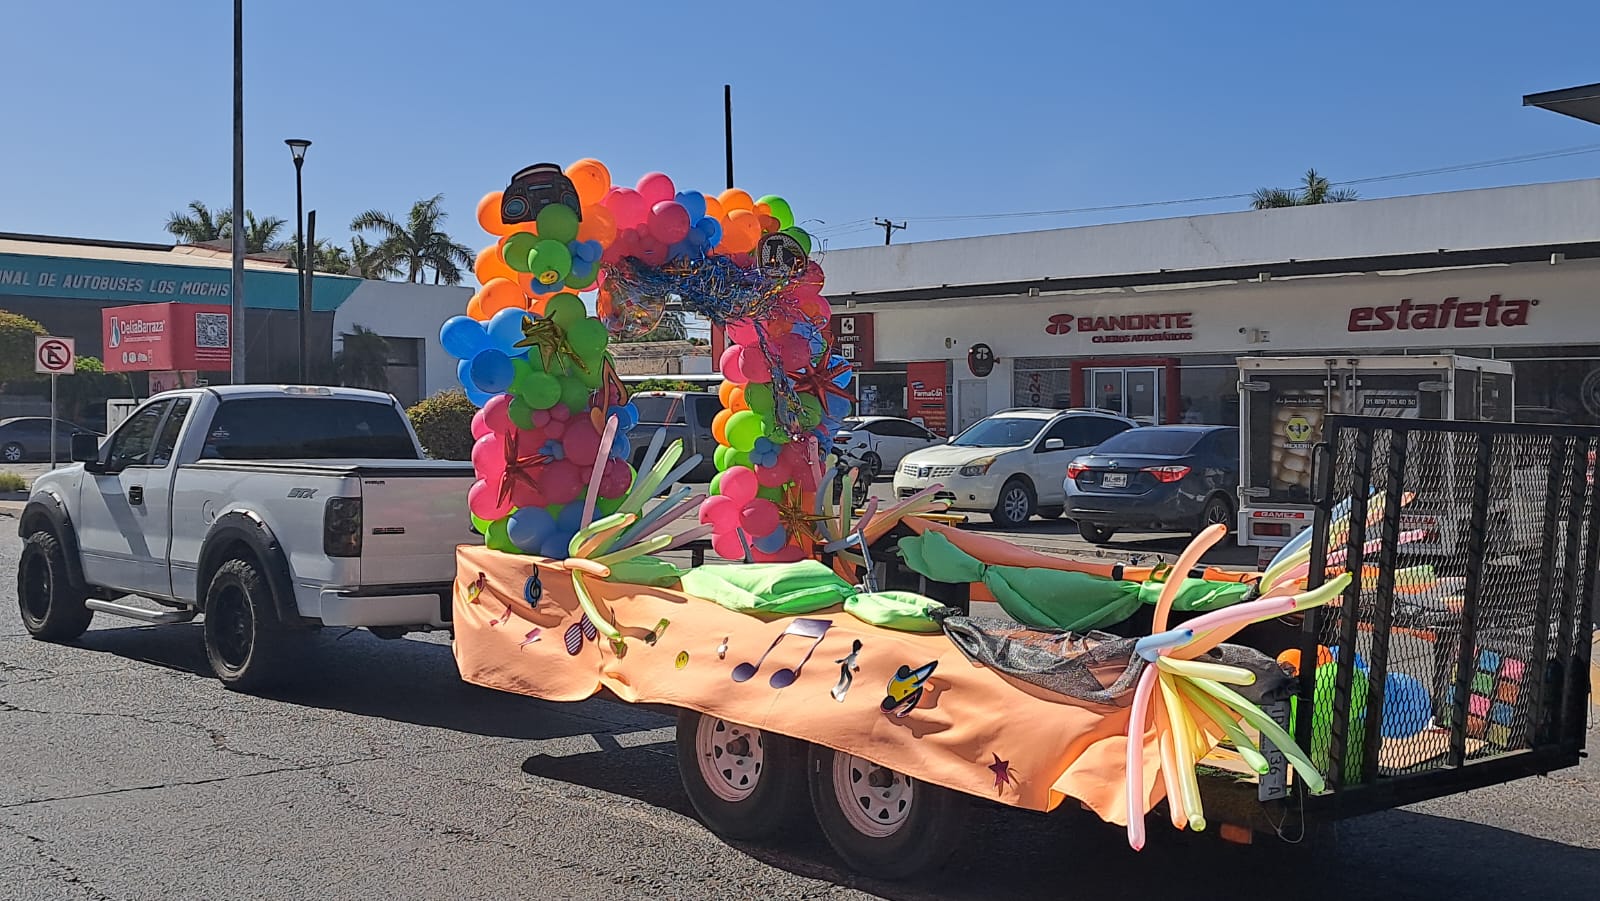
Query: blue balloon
x=683, y=250
x=557, y=545
x=528, y=528
x=842, y=380
x=621, y=447
x=694, y=202
x=569, y=518
x=492, y=372
x=464, y=375
x=711, y=228
x=771, y=544
x=505, y=329
x=463, y=337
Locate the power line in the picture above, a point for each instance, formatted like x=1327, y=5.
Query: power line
x=889, y=228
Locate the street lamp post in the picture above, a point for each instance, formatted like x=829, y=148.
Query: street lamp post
x=297, y=147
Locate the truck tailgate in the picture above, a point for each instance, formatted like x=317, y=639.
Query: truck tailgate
x=412, y=520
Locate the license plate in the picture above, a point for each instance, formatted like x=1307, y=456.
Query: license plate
x=1114, y=480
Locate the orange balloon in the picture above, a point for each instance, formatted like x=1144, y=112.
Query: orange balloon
x=599, y=224
x=735, y=199
x=714, y=209
x=719, y=426
x=742, y=232
x=592, y=179
x=491, y=265
x=736, y=400
x=489, y=214
x=769, y=225
x=501, y=294
x=725, y=393
x=762, y=209
x=475, y=308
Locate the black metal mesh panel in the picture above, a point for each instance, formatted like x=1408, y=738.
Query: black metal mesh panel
x=1462, y=637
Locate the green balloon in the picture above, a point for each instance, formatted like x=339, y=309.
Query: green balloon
x=516, y=250
x=744, y=427
x=609, y=505
x=521, y=413
x=539, y=391
x=588, y=337
x=778, y=206
x=558, y=222
x=720, y=456
x=498, y=540
x=773, y=494
x=591, y=377
x=738, y=458
x=579, y=282
x=715, y=487
x=565, y=309
x=575, y=394
x=481, y=526
x=800, y=235
x=550, y=262
x=522, y=369
x=758, y=396
x=810, y=411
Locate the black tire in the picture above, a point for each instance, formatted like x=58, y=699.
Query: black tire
x=1095, y=534
x=872, y=466
x=244, y=640
x=1016, y=504
x=750, y=800
x=1052, y=512
x=916, y=825
x=13, y=453
x=1217, y=509
x=51, y=605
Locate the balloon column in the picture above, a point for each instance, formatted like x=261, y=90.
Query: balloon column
x=551, y=447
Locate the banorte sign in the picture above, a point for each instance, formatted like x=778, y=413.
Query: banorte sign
x=1130, y=328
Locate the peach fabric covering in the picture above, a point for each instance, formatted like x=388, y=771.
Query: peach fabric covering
x=1056, y=747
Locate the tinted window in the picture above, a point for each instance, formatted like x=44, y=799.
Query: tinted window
x=706, y=409
x=1010, y=431
x=658, y=409
x=303, y=428
x=899, y=428
x=1073, y=432
x=1223, y=445
x=169, y=432
x=131, y=445
x=1098, y=428
x=1152, y=441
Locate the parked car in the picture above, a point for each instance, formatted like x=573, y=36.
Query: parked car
x=267, y=511
x=880, y=442
x=1009, y=465
x=1160, y=478
x=26, y=439
x=684, y=414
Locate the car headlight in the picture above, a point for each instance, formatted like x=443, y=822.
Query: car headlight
x=977, y=467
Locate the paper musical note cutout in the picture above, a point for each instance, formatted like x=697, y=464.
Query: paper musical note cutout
x=813, y=629
x=847, y=672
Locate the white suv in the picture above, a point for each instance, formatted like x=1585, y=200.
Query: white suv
x=1009, y=465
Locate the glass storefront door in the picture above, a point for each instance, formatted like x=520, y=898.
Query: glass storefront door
x=1134, y=392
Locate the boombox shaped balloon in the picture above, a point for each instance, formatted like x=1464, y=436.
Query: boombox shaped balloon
x=535, y=188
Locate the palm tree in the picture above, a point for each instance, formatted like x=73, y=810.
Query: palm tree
x=196, y=226
x=260, y=235
x=372, y=260
x=1313, y=189
x=363, y=360
x=419, y=244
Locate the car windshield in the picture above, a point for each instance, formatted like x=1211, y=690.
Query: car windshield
x=1158, y=442
x=1009, y=431
x=288, y=428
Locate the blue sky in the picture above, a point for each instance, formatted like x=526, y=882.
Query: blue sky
x=116, y=114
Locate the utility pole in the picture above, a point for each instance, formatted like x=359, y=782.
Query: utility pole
x=236, y=332
x=727, y=128
x=889, y=228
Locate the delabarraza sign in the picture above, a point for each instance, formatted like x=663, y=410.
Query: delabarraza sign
x=126, y=282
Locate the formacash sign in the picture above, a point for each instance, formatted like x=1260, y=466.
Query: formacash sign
x=158, y=337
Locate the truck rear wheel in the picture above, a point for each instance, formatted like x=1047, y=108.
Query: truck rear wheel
x=244, y=641
x=745, y=784
x=883, y=823
x=52, y=607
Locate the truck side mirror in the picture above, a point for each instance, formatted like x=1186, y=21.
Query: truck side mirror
x=85, y=448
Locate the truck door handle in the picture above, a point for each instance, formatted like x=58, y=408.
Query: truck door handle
x=136, y=495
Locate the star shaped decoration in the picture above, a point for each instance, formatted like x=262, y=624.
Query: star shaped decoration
x=551, y=339
x=520, y=467
x=1003, y=776
x=796, y=520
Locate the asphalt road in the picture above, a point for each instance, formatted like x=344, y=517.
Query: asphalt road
x=128, y=772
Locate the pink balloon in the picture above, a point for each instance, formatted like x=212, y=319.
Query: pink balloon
x=541, y=418
x=581, y=442
x=772, y=477
x=560, y=413
x=616, y=479
x=760, y=517
x=489, y=456
x=730, y=364
x=742, y=331
x=479, y=427
x=669, y=221
x=484, y=501
x=795, y=352
x=626, y=206
x=497, y=413
x=655, y=187
x=720, y=512
x=727, y=545
x=652, y=250
x=561, y=482
x=739, y=485
x=524, y=494
x=753, y=363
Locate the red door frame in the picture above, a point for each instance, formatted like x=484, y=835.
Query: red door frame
x=1168, y=365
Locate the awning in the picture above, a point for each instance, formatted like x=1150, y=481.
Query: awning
x=1579, y=103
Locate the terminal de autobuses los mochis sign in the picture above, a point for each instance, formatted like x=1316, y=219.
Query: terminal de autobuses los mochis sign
x=165, y=337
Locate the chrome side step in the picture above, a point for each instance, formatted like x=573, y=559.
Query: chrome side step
x=141, y=614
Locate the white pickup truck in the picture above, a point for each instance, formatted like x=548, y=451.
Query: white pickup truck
x=267, y=510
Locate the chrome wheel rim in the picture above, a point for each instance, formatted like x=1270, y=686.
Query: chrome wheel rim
x=730, y=758
x=1016, y=505
x=876, y=801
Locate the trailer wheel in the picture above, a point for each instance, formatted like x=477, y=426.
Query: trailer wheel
x=745, y=784
x=883, y=823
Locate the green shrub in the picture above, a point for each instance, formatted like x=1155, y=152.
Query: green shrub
x=444, y=425
x=10, y=481
x=667, y=384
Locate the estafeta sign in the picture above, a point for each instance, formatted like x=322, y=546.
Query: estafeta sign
x=1452, y=312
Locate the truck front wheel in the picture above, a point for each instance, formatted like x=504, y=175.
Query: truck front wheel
x=883, y=823
x=52, y=608
x=745, y=784
x=244, y=641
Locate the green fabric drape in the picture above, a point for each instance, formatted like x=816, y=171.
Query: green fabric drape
x=793, y=589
